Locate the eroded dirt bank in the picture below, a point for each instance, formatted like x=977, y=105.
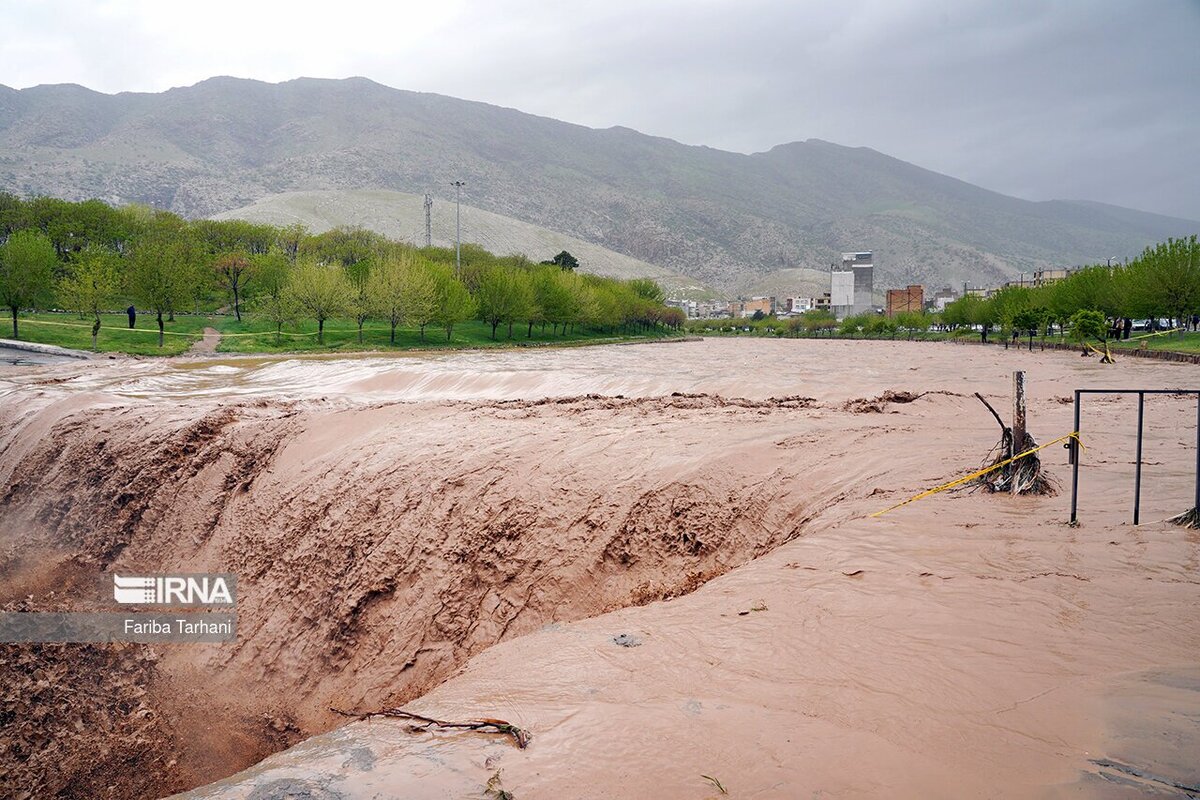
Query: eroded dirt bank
x=376, y=548
x=965, y=645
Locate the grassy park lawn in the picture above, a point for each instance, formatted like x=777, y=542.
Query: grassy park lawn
x=1185, y=342
x=69, y=330
x=258, y=336
x=341, y=335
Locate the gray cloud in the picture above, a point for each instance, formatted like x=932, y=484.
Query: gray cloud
x=1071, y=99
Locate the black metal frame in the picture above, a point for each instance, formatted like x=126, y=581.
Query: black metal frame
x=1073, y=445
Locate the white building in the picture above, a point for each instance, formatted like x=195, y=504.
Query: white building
x=851, y=286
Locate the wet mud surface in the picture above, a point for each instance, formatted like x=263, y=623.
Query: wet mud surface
x=656, y=560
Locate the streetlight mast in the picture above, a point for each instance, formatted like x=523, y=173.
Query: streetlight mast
x=457, y=227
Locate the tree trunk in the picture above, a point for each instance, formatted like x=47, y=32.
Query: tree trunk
x=530, y=334
x=393, y=332
x=1018, y=426
x=495, y=325
x=160, y=329
x=360, y=324
x=510, y=329
x=237, y=309
x=449, y=330
x=423, y=332
x=14, y=313
x=320, y=331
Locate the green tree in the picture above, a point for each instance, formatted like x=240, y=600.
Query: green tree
x=564, y=260
x=162, y=271
x=234, y=271
x=27, y=262
x=421, y=301
x=455, y=303
x=320, y=291
x=387, y=290
x=90, y=285
x=504, y=295
x=290, y=239
x=346, y=246
x=1168, y=279
x=554, y=298
x=913, y=321
x=1088, y=324
x=362, y=304
x=273, y=301
x=647, y=290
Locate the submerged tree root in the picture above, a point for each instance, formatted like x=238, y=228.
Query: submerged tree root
x=520, y=737
x=1025, y=472
x=1188, y=519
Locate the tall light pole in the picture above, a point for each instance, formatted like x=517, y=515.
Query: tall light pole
x=457, y=228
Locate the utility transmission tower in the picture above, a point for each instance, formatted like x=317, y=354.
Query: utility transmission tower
x=428, y=221
x=457, y=227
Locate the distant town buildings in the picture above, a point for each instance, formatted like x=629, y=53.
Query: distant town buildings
x=798, y=305
x=851, y=286
x=1047, y=276
x=909, y=299
x=940, y=298
x=747, y=307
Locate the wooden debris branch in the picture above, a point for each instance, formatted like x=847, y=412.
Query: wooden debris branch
x=1188, y=519
x=519, y=736
x=1024, y=476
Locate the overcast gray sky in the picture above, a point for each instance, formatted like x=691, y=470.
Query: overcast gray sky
x=1081, y=99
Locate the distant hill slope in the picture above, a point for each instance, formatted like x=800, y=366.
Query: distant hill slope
x=402, y=216
x=722, y=218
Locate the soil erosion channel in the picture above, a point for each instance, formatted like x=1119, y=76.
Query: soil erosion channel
x=390, y=520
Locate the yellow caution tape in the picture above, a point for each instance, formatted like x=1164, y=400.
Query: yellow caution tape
x=108, y=328
x=1105, y=352
x=967, y=478
x=1156, y=333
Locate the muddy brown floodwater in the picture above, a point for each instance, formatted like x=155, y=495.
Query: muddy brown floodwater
x=656, y=559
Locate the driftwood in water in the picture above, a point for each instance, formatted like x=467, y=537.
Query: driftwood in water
x=1188, y=519
x=1023, y=476
x=519, y=736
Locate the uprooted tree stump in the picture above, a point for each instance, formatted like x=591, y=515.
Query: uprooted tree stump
x=1188, y=519
x=1025, y=475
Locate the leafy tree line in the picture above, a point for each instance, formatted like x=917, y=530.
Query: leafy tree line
x=88, y=257
x=1097, y=301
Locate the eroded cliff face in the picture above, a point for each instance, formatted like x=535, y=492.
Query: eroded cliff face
x=377, y=548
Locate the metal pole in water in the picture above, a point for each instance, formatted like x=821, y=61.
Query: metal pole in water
x=1137, y=478
x=1074, y=451
x=1197, y=500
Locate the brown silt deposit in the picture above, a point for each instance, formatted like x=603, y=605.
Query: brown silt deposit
x=655, y=563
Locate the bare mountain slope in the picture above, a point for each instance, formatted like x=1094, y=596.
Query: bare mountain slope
x=723, y=218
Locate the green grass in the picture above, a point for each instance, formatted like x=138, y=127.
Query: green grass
x=1187, y=342
x=341, y=335
x=68, y=330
